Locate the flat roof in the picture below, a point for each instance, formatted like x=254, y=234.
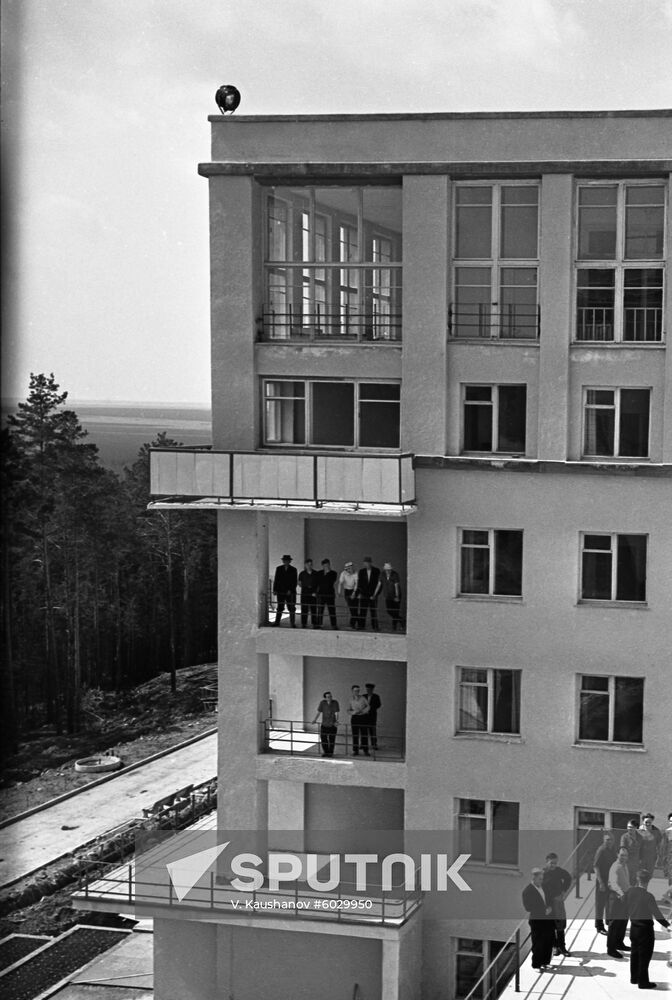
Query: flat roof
x=447, y=115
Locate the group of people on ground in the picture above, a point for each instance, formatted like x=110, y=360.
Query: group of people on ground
x=318, y=590
x=363, y=713
x=621, y=895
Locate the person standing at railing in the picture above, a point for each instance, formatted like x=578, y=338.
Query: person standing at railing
x=358, y=710
x=368, y=588
x=542, y=930
x=641, y=908
x=347, y=585
x=284, y=588
x=326, y=595
x=604, y=859
x=328, y=709
x=556, y=883
x=619, y=883
x=308, y=585
x=390, y=583
x=374, y=703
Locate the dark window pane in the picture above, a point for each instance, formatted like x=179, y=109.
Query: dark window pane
x=631, y=568
x=333, y=413
x=602, y=542
x=506, y=701
x=628, y=709
x=478, y=393
x=634, y=424
x=474, y=222
x=643, y=304
x=594, y=716
x=597, y=223
x=472, y=311
x=472, y=837
x=595, y=304
x=378, y=390
x=599, y=432
x=475, y=571
x=471, y=537
x=644, y=222
x=469, y=970
x=519, y=222
x=511, y=427
x=590, y=682
x=473, y=707
x=478, y=427
x=379, y=425
x=596, y=576
x=509, y=562
x=504, y=833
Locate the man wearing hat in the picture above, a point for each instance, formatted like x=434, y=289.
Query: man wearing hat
x=284, y=588
x=347, y=585
x=368, y=588
x=391, y=588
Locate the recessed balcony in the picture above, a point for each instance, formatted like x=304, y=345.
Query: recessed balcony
x=301, y=738
x=379, y=485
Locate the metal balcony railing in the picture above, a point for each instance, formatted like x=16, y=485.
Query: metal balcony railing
x=594, y=323
x=379, y=483
x=482, y=321
x=379, y=325
x=352, y=614
x=641, y=324
x=305, y=739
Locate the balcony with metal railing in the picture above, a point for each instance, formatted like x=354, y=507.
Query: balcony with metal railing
x=380, y=485
x=348, y=325
x=641, y=324
x=483, y=322
x=300, y=738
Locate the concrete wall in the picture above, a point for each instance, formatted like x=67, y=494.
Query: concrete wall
x=340, y=818
x=338, y=676
x=185, y=960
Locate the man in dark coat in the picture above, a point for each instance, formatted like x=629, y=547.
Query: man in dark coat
x=284, y=588
x=641, y=907
x=308, y=584
x=326, y=593
x=542, y=930
x=374, y=704
x=368, y=588
x=557, y=883
x=602, y=862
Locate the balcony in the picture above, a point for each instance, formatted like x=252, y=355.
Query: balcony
x=642, y=324
x=304, y=739
x=374, y=485
x=480, y=322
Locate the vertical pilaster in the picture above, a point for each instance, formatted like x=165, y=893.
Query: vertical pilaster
x=667, y=334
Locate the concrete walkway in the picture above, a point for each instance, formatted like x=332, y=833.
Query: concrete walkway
x=33, y=842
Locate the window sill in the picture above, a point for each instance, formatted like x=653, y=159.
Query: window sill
x=619, y=344
x=490, y=341
x=494, y=455
x=489, y=599
x=616, y=459
x=616, y=605
x=612, y=747
x=490, y=737
x=493, y=866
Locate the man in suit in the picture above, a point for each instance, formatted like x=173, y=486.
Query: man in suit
x=390, y=584
x=641, y=908
x=374, y=704
x=542, y=929
x=308, y=584
x=368, y=588
x=326, y=594
x=557, y=882
x=619, y=883
x=284, y=588
x=604, y=859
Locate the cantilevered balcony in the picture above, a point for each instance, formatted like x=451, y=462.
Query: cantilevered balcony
x=379, y=485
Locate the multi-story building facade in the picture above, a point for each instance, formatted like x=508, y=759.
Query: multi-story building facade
x=441, y=341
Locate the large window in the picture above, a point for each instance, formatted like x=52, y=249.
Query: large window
x=590, y=825
x=488, y=831
x=496, y=242
x=613, y=567
x=320, y=413
x=620, y=248
x=489, y=700
x=491, y=562
x=333, y=263
x=616, y=423
x=472, y=958
x=494, y=418
x=611, y=709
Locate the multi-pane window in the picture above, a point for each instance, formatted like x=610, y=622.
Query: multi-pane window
x=611, y=709
x=494, y=418
x=619, y=280
x=322, y=413
x=489, y=700
x=613, y=567
x=472, y=958
x=488, y=831
x=616, y=423
x=590, y=825
x=491, y=562
x=495, y=261
x=333, y=263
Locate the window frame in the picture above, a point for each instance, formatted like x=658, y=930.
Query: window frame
x=495, y=416
x=490, y=951
x=616, y=444
x=611, y=696
x=308, y=384
x=613, y=551
x=497, y=262
x=491, y=595
x=489, y=830
x=489, y=685
x=619, y=264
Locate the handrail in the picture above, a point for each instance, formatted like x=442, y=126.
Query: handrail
x=519, y=945
x=349, y=614
x=300, y=735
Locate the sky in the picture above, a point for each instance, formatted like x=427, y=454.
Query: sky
x=104, y=120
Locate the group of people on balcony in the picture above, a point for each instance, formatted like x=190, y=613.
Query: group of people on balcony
x=363, y=712
x=318, y=590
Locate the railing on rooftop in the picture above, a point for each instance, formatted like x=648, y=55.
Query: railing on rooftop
x=285, y=479
x=300, y=738
x=480, y=321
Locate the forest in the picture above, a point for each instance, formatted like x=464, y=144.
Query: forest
x=99, y=593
